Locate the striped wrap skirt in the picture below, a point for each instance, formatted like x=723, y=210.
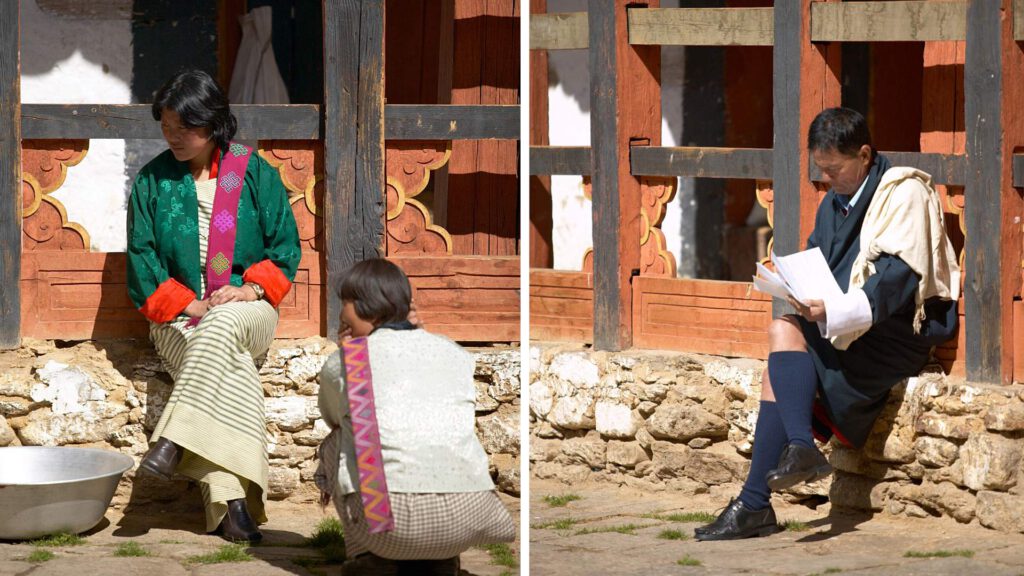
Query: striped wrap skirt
x=216, y=409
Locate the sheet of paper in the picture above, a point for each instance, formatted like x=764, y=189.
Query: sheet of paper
x=807, y=275
x=768, y=287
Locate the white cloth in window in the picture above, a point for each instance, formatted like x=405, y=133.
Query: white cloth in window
x=256, y=78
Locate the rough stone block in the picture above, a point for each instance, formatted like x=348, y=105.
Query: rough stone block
x=858, y=492
x=484, y=401
x=573, y=412
x=627, y=454
x=576, y=369
x=499, y=432
x=682, y=422
x=1006, y=417
x=542, y=450
x=1001, y=511
x=680, y=461
x=289, y=413
x=541, y=398
x=282, y=482
x=953, y=427
x=7, y=435
x=935, y=452
x=941, y=498
x=990, y=462
x=588, y=450
x=615, y=420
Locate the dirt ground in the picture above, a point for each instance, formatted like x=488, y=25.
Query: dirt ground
x=173, y=535
x=621, y=531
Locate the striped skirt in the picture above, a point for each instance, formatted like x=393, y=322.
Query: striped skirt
x=216, y=409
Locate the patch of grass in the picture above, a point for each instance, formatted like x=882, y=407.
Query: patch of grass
x=795, y=526
x=562, y=524
x=689, y=561
x=827, y=571
x=327, y=532
x=172, y=542
x=130, y=549
x=939, y=554
x=561, y=500
x=57, y=540
x=702, y=517
x=334, y=553
x=621, y=529
x=673, y=535
x=38, y=556
x=501, y=555
x=226, y=553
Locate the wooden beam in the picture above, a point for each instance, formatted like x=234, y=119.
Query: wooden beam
x=625, y=108
x=366, y=230
x=945, y=169
x=919, y=21
x=565, y=31
x=135, y=121
x=541, y=220
x=701, y=26
x=699, y=162
x=451, y=122
x=993, y=72
x=271, y=122
x=10, y=176
x=805, y=78
x=550, y=160
x=341, y=77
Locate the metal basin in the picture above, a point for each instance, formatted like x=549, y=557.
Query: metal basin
x=48, y=490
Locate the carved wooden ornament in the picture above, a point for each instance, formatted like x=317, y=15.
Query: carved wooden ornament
x=410, y=227
x=45, y=223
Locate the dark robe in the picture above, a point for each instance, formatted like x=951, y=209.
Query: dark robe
x=853, y=384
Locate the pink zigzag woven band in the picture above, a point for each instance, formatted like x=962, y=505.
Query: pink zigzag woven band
x=373, y=487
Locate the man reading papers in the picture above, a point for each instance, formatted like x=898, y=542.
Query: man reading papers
x=875, y=290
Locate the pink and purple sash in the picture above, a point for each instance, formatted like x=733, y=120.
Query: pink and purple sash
x=373, y=487
x=220, y=248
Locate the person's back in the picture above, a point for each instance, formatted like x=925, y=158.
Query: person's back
x=403, y=465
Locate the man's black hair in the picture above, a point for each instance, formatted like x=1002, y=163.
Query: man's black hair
x=840, y=129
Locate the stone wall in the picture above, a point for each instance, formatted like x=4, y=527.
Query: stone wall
x=659, y=420
x=110, y=394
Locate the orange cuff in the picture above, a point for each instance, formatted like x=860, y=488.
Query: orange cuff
x=269, y=276
x=167, y=301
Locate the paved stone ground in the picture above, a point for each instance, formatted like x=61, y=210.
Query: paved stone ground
x=172, y=536
x=826, y=544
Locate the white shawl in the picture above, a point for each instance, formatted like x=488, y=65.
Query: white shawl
x=905, y=219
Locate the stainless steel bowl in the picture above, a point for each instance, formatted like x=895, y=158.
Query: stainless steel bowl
x=49, y=490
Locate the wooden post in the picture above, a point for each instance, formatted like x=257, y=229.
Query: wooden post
x=353, y=113
x=541, y=249
x=625, y=106
x=809, y=74
x=993, y=72
x=10, y=177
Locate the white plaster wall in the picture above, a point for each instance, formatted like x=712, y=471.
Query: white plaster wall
x=67, y=60
x=569, y=125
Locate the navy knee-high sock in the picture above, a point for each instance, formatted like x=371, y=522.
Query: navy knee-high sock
x=769, y=441
x=794, y=382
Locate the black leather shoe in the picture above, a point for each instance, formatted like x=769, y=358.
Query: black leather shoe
x=162, y=459
x=798, y=464
x=737, y=522
x=237, y=525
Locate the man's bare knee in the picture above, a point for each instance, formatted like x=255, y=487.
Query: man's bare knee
x=767, y=394
x=784, y=335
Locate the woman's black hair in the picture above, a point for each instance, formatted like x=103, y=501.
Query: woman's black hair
x=840, y=129
x=200, y=102
x=379, y=290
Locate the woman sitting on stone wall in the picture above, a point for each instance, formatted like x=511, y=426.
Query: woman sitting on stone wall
x=212, y=250
x=830, y=368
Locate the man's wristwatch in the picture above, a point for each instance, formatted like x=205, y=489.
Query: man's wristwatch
x=260, y=292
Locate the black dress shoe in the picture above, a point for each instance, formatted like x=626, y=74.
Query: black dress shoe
x=162, y=459
x=237, y=525
x=798, y=464
x=737, y=522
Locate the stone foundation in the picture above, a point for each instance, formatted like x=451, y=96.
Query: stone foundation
x=110, y=394
x=660, y=420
